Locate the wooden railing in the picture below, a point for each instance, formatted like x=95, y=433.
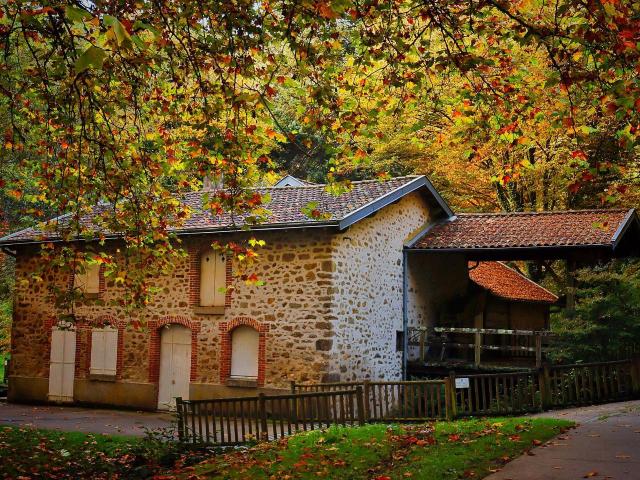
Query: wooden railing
x=437, y=337
x=394, y=401
x=232, y=421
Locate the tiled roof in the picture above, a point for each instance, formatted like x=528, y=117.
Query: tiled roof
x=526, y=229
x=285, y=206
x=505, y=282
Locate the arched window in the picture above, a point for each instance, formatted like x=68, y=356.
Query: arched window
x=244, y=352
x=213, y=276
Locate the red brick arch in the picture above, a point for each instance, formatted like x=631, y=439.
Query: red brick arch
x=226, y=328
x=154, y=344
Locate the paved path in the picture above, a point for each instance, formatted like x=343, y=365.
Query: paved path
x=88, y=420
x=605, y=445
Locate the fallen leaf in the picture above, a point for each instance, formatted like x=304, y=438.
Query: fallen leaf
x=590, y=474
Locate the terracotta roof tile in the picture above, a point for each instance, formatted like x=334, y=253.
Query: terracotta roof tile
x=285, y=207
x=505, y=282
x=526, y=229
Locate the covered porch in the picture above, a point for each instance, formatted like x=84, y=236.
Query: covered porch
x=468, y=310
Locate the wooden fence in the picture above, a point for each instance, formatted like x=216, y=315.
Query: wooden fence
x=394, y=401
x=496, y=393
x=233, y=421
x=550, y=387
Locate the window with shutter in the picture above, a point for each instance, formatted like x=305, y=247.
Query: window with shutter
x=213, y=276
x=104, y=351
x=88, y=281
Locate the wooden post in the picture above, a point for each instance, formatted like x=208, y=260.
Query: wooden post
x=366, y=390
x=538, y=350
x=360, y=403
x=447, y=398
x=293, y=386
x=543, y=376
x=262, y=413
x=478, y=348
x=453, y=402
x=180, y=415
x=635, y=376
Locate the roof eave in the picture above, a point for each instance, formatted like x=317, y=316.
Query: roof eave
x=199, y=231
x=628, y=220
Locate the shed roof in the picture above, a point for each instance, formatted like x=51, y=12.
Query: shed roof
x=505, y=282
x=493, y=231
x=285, y=208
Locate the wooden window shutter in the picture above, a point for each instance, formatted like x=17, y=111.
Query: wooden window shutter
x=89, y=280
x=213, y=277
x=104, y=351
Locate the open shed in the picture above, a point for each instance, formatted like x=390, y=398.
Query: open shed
x=447, y=312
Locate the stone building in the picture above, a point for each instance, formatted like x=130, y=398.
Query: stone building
x=340, y=295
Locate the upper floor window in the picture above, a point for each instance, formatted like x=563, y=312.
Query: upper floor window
x=87, y=277
x=213, y=279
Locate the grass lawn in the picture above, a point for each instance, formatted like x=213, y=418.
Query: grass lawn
x=36, y=453
x=443, y=450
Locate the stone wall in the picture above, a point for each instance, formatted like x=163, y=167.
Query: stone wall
x=369, y=283
x=293, y=308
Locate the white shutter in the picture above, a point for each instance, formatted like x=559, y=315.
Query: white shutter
x=244, y=352
x=62, y=365
x=213, y=276
x=110, y=351
x=220, y=281
x=104, y=351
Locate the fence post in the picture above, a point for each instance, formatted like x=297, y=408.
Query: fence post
x=360, y=402
x=293, y=386
x=635, y=375
x=454, y=394
x=538, y=338
x=543, y=374
x=366, y=388
x=262, y=413
x=180, y=415
x=477, y=348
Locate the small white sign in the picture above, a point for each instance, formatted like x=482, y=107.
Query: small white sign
x=462, y=382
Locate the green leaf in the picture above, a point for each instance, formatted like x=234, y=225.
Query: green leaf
x=76, y=14
x=122, y=36
x=92, y=57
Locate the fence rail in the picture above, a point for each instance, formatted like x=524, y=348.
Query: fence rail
x=550, y=387
x=394, y=401
x=232, y=421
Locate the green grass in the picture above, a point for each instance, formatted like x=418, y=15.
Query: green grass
x=443, y=450
x=30, y=453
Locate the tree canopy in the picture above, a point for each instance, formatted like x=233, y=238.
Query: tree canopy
x=525, y=104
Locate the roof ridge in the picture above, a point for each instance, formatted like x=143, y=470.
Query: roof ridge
x=312, y=185
x=543, y=212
